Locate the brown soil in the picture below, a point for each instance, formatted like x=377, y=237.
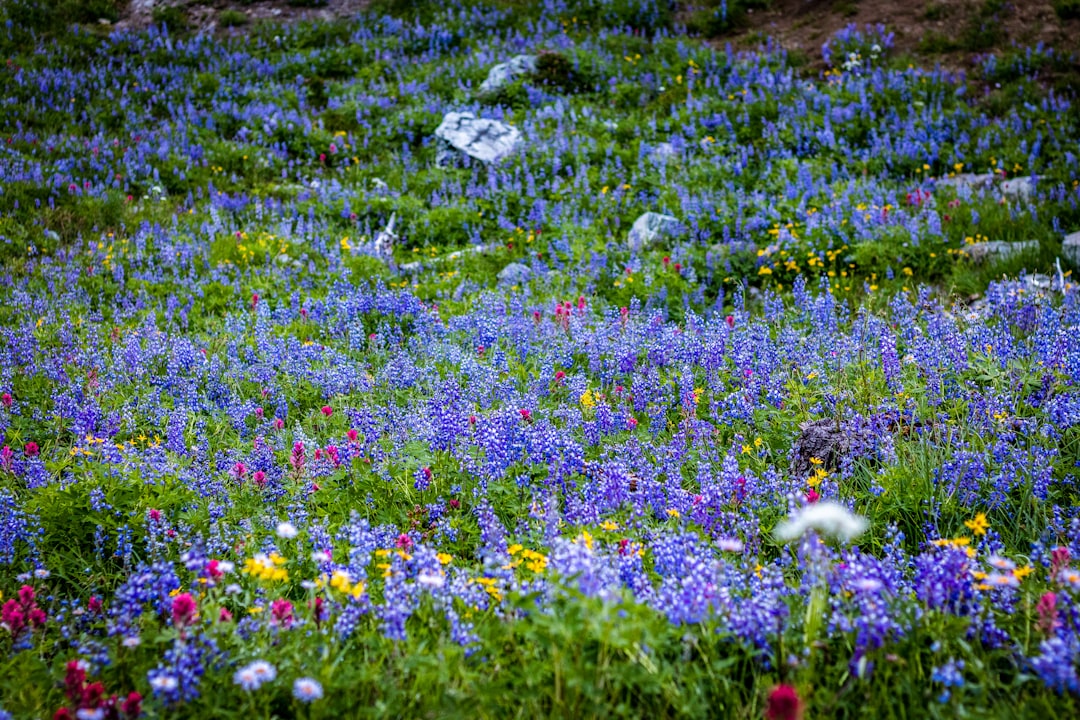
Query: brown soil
x=806, y=24
x=204, y=14
x=801, y=25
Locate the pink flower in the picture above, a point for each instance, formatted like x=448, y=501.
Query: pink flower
x=154, y=515
x=31, y=449
x=526, y=415
x=259, y=478
x=352, y=435
x=812, y=496
x=239, y=470
x=783, y=704
x=559, y=375
x=6, y=399
x=132, y=705
x=279, y=424
x=404, y=542
x=94, y=604
x=259, y=412
x=1047, y=612
x=183, y=610
x=282, y=612
x=631, y=423
x=254, y=300
x=327, y=410
x=224, y=615
x=730, y=320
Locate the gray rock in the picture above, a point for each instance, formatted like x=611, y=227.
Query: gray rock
x=515, y=274
x=824, y=440
x=650, y=228
x=968, y=180
x=664, y=151
x=483, y=139
x=1070, y=248
x=1020, y=188
x=994, y=250
x=386, y=239
x=505, y=73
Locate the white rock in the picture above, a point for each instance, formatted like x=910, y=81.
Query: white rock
x=1070, y=248
x=1020, y=188
x=385, y=240
x=968, y=180
x=507, y=72
x=515, y=274
x=994, y=250
x=483, y=139
x=651, y=227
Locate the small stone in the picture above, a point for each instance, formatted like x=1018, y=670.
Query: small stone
x=1021, y=188
x=505, y=73
x=994, y=250
x=664, y=151
x=386, y=239
x=483, y=139
x=650, y=228
x=1070, y=248
x=515, y=274
x=821, y=443
x=968, y=180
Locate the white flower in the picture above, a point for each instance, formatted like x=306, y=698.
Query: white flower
x=828, y=518
x=868, y=585
x=131, y=641
x=730, y=545
x=307, y=690
x=245, y=677
x=253, y=675
x=286, y=530
x=320, y=556
x=163, y=683
x=226, y=567
x=431, y=579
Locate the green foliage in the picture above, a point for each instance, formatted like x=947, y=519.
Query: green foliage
x=1067, y=9
x=173, y=17
x=232, y=18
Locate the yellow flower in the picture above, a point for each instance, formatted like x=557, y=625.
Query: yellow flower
x=979, y=525
x=587, y=400
x=673, y=512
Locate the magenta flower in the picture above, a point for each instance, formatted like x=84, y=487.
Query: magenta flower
x=183, y=610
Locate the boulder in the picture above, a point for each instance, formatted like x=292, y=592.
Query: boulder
x=994, y=250
x=972, y=181
x=515, y=274
x=483, y=139
x=505, y=73
x=386, y=239
x=821, y=443
x=1019, y=188
x=1070, y=248
x=650, y=228
x=664, y=151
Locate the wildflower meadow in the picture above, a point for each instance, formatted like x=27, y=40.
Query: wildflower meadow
x=508, y=359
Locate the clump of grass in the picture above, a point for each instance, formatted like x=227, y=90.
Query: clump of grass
x=232, y=18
